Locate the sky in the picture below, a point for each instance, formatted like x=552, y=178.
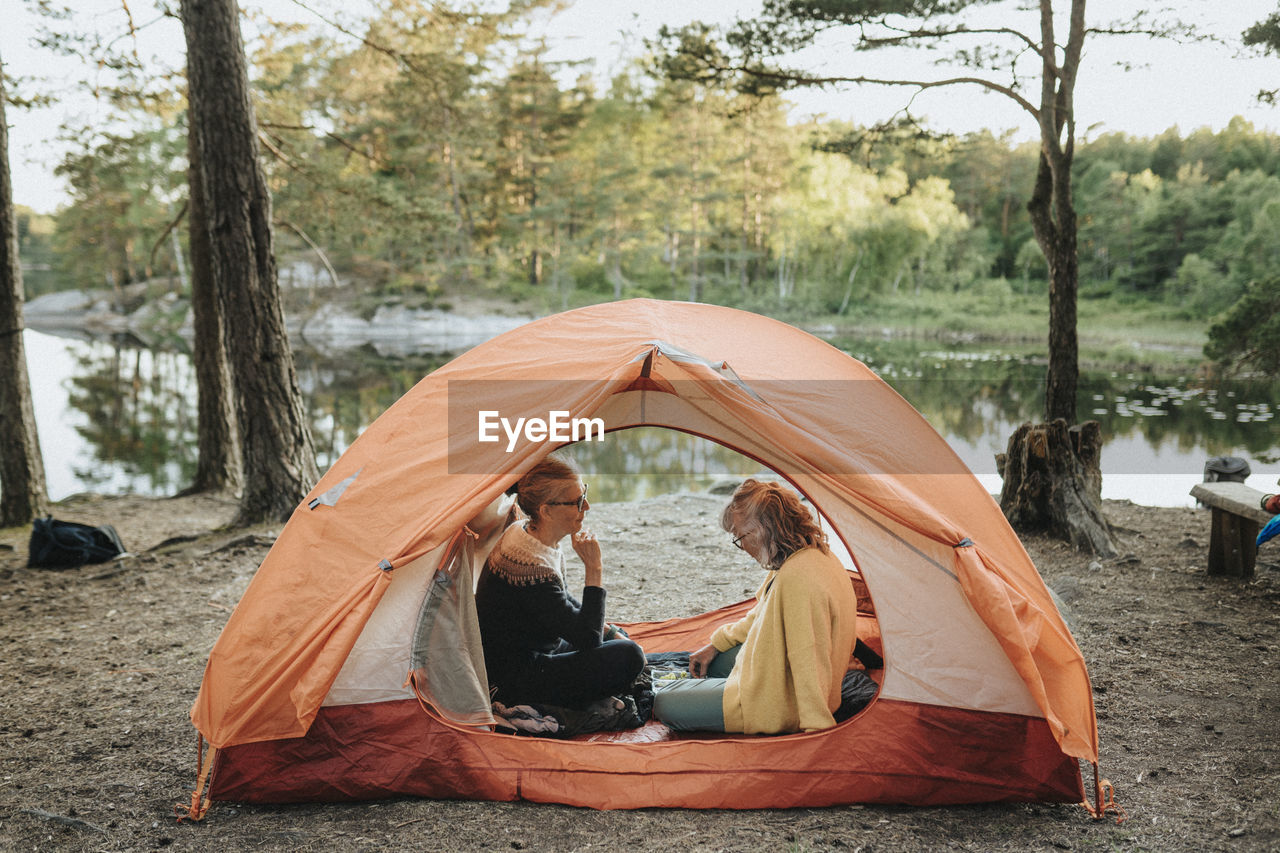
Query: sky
x=1184, y=85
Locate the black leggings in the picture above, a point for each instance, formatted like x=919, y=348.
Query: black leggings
x=575, y=678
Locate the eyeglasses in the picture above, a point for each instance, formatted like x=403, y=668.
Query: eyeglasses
x=737, y=543
x=578, y=503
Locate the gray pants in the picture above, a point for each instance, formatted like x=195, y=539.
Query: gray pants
x=696, y=704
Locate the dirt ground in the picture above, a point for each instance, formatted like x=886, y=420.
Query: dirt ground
x=99, y=667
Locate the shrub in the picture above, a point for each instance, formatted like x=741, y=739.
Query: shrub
x=1247, y=336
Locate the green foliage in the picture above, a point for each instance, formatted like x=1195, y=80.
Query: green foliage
x=36, y=251
x=1138, y=228
x=991, y=177
x=1266, y=35
x=445, y=153
x=1203, y=289
x=126, y=190
x=1247, y=336
x=1030, y=261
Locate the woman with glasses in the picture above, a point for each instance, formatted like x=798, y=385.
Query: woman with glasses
x=780, y=667
x=541, y=645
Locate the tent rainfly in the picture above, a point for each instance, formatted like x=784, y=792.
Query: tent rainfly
x=352, y=667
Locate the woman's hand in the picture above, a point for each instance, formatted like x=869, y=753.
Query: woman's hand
x=701, y=660
x=588, y=550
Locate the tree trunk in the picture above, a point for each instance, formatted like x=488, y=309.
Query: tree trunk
x=1053, y=219
x=615, y=258
x=218, y=468
x=178, y=261
x=23, y=494
x=276, y=447
x=695, y=276
x=1053, y=481
x=744, y=233
x=465, y=227
x=673, y=255
x=695, y=211
x=535, y=257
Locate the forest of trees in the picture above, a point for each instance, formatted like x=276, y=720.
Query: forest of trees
x=443, y=155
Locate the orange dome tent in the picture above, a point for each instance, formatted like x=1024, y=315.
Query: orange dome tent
x=352, y=668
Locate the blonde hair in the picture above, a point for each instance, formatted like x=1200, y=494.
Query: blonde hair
x=540, y=483
x=787, y=524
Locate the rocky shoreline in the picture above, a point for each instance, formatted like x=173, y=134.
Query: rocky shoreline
x=393, y=329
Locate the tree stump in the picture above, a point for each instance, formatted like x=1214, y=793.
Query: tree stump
x=1053, y=484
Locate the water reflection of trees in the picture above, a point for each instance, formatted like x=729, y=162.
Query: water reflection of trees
x=1221, y=416
x=138, y=418
x=138, y=409
x=138, y=412
x=969, y=394
x=646, y=461
x=346, y=393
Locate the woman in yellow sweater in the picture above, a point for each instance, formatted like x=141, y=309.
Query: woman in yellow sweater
x=779, y=668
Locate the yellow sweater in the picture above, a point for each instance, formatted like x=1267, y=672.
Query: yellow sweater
x=797, y=644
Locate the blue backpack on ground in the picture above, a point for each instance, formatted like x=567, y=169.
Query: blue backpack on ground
x=67, y=544
x=1271, y=530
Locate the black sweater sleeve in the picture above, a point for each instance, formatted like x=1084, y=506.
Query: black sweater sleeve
x=559, y=614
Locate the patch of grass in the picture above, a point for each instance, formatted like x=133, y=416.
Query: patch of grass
x=1111, y=330
x=1116, y=330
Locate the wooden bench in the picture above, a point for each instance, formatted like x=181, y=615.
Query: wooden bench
x=1237, y=518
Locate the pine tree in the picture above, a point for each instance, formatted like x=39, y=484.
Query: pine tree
x=23, y=495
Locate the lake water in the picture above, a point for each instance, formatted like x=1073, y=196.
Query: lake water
x=116, y=419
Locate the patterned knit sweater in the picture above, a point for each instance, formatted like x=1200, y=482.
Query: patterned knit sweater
x=520, y=558
x=525, y=610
